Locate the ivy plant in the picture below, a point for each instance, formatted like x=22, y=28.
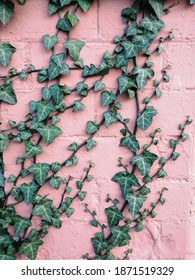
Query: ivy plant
x=41, y=123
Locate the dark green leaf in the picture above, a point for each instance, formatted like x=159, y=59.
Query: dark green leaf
x=72, y=161
x=157, y=6
x=49, y=133
x=4, y=141
x=20, y=225
x=32, y=150
x=78, y=106
x=125, y=83
x=6, y=11
x=30, y=248
x=114, y=215
x=74, y=48
x=55, y=182
x=108, y=97
x=28, y=191
x=120, y=236
x=99, y=243
x=99, y=86
x=85, y=4
x=131, y=143
x=145, y=119
x=7, y=93
x=90, y=144
x=134, y=203
x=44, y=210
x=64, y=23
x=91, y=127
x=49, y=41
x=73, y=147
x=40, y=171
x=144, y=162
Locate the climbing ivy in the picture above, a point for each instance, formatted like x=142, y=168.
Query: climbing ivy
x=41, y=123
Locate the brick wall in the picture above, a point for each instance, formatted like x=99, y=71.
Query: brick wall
x=171, y=234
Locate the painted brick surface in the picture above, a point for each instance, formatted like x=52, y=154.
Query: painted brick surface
x=171, y=235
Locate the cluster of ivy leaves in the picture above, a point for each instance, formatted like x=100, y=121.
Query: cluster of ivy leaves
x=44, y=116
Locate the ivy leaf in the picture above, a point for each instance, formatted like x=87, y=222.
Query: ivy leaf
x=4, y=141
x=99, y=243
x=73, y=19
x=110, y=118
x=74, y=48
x=43, y=110
x=131, y=143
x=85, y=4
x=78, y=106
x=6, y=11
x=90, y=144
x=7, y=93
x=49, y=41
x=6, y=52
x=6, y=257
x=99, y=86
x=142, y=75
x=82, y=195
x=162, y=173
x=125, y=83
x=49, y=133
x=114, y=215
x=42, y=75
x=120, y=236
x=44, y=210
x=65, y=2
x=56, y=93
x=126, y=181
x=134, y=203
x=40, y=171
x=108, y=97
x=28, y=191
x=145, y=119
x=131, y=49
x=91, y=127
x=20, y=224
x=53, y=7
x=144, y=162
x=55, y=182
x=32, y=150
x=158, y=6
x=121, y=61
x=73, y=147
x=30, y=248
x=72, y=161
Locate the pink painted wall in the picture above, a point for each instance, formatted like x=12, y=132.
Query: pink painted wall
x=171, y=235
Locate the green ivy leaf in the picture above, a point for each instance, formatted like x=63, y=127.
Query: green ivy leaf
x=91, y=127
x=40, y=171
x=110, y=118
x=99, y=86
x=49, y=41
x=43, y=110
x=108, y=97
x=49, y=133
x=162, y=173
x=78, y=106
x=65, y=2
x=114, y=215
x=131, y=143
x=42, y=75
x=90, y=144
x=145, y=119
x=20, y=225
x=69, y=211
x=7, y=93
x=82, y=195
x=30, y=248
x=99, y=243
x=94, y=223
x=6, y=11
x=85, y=4
x=72, y=161
x=4, y=141
x=158, y=6
x=139, y=227
x=131, y=49
x=56, y=93
x=120, y=236
x=126, y=181
x=43, y=210
x=73, y=19
x=144, y=162
x=143, y=74
x=46, y=94
x=57, y=66
x=134, y=203
x=55, y=182
x=125, y=83
x=53, y=7
x=32, y=150
x=64, y=23
x=29, y=191
x=74, y=48
x=73, y=147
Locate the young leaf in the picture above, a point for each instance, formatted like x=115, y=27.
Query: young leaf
x=90, y=144
x=82, y=195
x=74, y=48
x=73, y=147
x=72, y=161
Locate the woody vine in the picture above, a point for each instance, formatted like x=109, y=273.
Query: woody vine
x=18, y=234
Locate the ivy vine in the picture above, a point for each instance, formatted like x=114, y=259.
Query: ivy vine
x=18, y=234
